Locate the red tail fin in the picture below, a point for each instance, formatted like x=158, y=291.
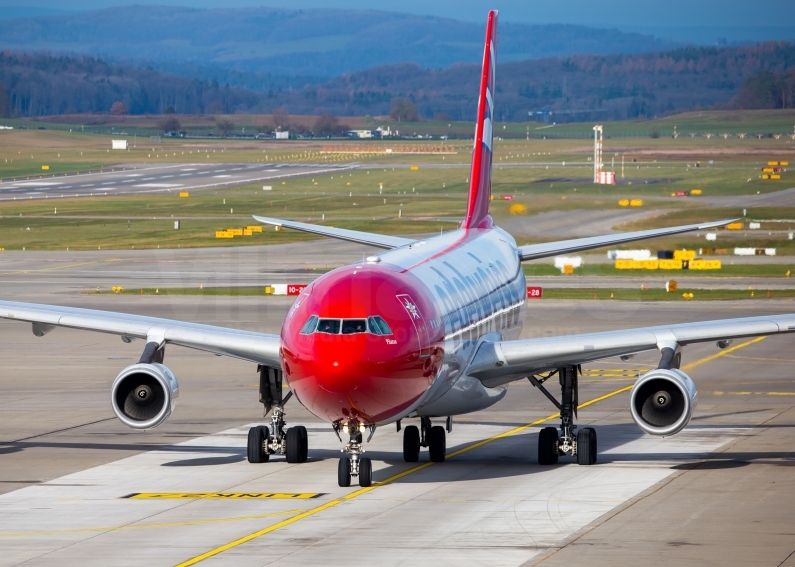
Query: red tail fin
x=480, y=174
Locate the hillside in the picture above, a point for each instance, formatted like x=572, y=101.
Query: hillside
x=314, y=42
x=598, y=87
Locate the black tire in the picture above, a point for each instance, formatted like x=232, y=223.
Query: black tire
x=586, y=446
x=304, y=443
x=294, y=445
x=437, y=443
x=548, y=446
x=411, y=444
x=257, y=438
x=365, y=472
x=344, y=472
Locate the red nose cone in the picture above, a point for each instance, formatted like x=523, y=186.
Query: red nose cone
x=362, y=376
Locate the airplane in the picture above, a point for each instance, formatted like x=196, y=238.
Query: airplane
x=427, y=328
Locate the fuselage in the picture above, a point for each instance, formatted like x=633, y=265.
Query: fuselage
x=437, y=297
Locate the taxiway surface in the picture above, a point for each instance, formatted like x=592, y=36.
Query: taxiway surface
x=719, y=493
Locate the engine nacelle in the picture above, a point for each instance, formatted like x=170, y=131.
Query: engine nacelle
x=144, y=395
x=662, y=401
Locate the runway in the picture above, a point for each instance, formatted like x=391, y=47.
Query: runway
x=145, y=178
x=719, y=493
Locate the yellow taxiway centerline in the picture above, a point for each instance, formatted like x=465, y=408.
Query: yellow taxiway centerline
x=391, y=479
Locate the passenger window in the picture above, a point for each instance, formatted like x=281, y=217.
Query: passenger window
x=309, y=326
x=373, y=325
x=385, y=330
x=352, y=326
x=330, y=326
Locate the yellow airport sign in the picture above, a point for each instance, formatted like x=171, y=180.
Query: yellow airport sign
x=184, y=194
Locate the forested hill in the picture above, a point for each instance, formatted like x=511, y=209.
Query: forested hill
x=607, y=86
x=310, y=42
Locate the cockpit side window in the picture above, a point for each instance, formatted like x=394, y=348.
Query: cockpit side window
x=382, y=326
x=373, y=326
x=330, y=326
x=352, y=326
x=309, y=326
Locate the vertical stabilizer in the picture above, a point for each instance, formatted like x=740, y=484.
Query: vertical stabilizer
x=480, y=175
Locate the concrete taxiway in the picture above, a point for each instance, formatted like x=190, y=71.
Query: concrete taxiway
x=146, y=178
x=719, y=493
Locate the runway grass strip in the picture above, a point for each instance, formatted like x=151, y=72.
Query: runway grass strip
x=391, y=479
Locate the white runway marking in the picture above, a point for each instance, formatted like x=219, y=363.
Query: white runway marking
x=161, y=185
x=36, y=184
x=490, y=506
x=222, y=176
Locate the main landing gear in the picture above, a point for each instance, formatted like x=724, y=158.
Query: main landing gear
x=263, y=441
x=353, y=464
x=428, y=435
x=553, y=443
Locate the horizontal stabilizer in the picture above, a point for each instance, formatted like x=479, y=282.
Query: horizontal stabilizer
x=547, y=249
x=378, y=240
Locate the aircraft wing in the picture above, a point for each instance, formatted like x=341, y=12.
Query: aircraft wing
x=496, y=363
x=246, y=345
x=547, y=249
x=378, y=240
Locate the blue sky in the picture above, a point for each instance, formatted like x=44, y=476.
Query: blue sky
x=624, y=14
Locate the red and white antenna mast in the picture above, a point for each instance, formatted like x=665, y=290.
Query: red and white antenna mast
x=597, y=153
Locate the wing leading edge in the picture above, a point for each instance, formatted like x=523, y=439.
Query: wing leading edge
x=497, y=363
x=378, y=240
x=246, y=345
x=547, y=249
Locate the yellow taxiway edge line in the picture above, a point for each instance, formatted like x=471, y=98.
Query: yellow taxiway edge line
x=724, y=352
x=391, y=479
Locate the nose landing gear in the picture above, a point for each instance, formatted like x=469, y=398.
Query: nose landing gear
x=353, y=464
x=551, y=444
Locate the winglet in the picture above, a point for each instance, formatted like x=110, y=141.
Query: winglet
x=480, y=174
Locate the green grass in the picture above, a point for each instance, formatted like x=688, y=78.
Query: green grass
x=728, y=271
x=662, y=295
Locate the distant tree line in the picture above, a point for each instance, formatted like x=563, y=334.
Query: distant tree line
x=768, y=90
x=581, y=87
x=38, y=84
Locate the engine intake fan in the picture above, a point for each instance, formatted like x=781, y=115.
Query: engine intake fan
x=144, y=395
x=662, y=401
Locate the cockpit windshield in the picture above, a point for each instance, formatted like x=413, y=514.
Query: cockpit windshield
x=374, y=325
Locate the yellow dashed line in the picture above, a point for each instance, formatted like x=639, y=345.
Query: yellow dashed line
x=228, y=495
x=390, y=480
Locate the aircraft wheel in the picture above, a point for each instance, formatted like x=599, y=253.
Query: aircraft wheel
x=304, y=443
x=344, y=472
x=437, y=444
x=258, y=438
x=586, y=446
x=548, y=446
x=294, y=445
x=365, y=472
x=411, y=444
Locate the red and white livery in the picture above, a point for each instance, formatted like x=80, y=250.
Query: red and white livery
x=424, y=329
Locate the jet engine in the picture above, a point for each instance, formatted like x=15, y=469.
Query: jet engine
x=662, y=401
x=144, y=395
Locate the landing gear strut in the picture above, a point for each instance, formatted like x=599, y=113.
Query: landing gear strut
x=552, y=442
x=353, y=464
x=263, y=441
